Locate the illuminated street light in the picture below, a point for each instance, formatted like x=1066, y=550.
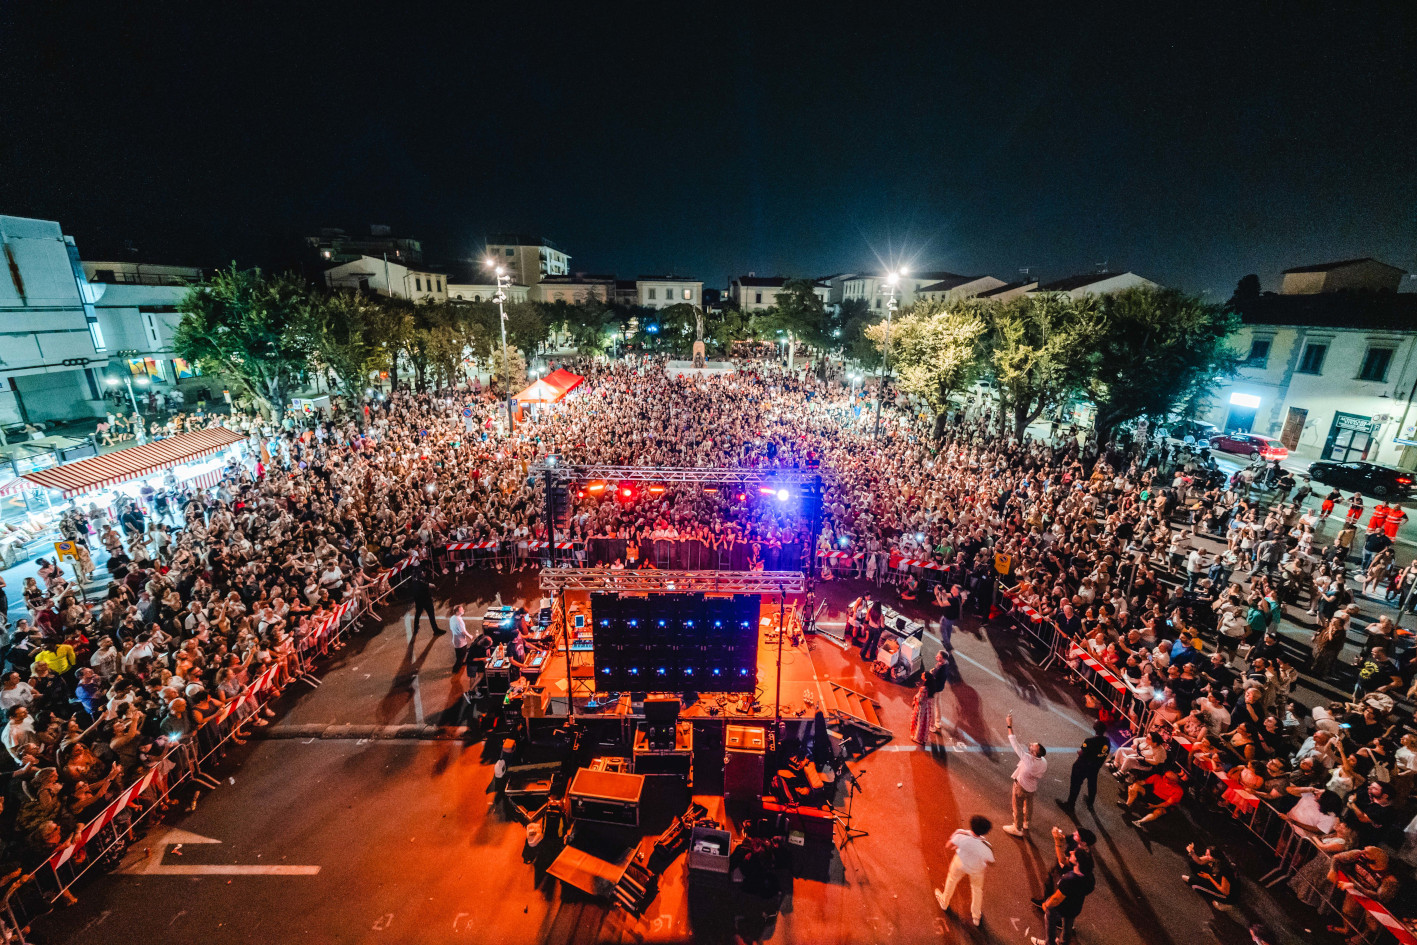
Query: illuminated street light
x=892, y=280
x=500, y=298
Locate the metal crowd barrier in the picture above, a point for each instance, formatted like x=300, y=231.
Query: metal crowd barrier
x=1292, y=848
x=103, y=839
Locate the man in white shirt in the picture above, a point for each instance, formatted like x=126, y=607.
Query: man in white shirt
x=461, y=639
x=973, y=855
x=1026, y=777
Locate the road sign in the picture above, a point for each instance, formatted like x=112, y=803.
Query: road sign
x=66, y=549
x=1002, y=562
x=138, y=864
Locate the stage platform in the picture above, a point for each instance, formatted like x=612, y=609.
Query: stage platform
x=802, y=692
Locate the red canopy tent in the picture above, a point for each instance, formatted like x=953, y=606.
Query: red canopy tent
x=564, y=380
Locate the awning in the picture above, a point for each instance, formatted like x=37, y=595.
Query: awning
x=135, y=462
x=540, y=392
x=564, y=380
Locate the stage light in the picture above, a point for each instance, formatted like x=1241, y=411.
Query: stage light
x=741, y=497
x=580, y=493
x=843, y=541
x=596, y=487
x=656, y=489
x=782, y=495
x=919, y=536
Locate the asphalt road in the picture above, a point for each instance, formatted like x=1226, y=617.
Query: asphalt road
x=326, y=835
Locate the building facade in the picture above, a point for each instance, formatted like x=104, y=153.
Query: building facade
x=335, y=246
x=576, y=289
x=1097, y=283
x=664, y=291
x=385, y=277
x=529, y=259
x=959, y=287
x=1332, y=375
x=752, y=293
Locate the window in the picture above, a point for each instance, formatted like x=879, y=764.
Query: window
x=1313, y=360
x=1259, y=352
x=757, y=298
x=652, y=293
x=688, y=295
x=440, y=285
x=878, y=303
x=418, y=284
x=1375, y=365
x=509, y=251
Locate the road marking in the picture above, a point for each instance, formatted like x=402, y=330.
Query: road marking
x=152, y=865
x=417, y=700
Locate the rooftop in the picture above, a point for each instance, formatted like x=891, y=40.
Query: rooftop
x=665, y=279
x=762, y=282
x=953, y=282
x=1078, y=281
x=1325, y=267
x=1007, y=288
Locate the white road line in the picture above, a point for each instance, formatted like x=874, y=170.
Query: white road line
x=417, y=700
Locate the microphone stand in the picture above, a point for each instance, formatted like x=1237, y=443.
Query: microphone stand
x=850, y=833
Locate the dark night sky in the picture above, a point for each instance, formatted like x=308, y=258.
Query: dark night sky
x=713, y=141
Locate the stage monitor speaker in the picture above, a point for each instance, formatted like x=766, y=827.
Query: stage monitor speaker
x=661, y=709
x=744, y=776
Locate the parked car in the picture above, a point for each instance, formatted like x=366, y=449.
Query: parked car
x=1367, y=478
x=1198, y=429
x=1249, y=444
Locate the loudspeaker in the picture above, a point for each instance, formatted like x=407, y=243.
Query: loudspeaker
x=661, y=710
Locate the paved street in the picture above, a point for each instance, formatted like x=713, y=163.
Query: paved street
x=410, y=848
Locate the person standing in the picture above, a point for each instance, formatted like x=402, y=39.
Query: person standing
x=935, y=679
x=1032, y=765
x=1061, y=909
x=875, y=626
x=973, y=856
x=950, y=608
x=461, y=639
x=422, y=597
x=1091, y=757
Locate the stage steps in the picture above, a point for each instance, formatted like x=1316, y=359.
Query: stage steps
x=850, y=708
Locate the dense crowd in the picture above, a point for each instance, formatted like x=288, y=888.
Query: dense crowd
x=1169, y=573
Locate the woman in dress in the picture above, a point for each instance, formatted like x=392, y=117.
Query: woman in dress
x=922, y=719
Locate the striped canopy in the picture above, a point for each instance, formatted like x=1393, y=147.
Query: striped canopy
x=135, y=462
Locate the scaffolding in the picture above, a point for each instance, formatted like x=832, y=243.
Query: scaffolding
x=620, y=581
x=668, y=474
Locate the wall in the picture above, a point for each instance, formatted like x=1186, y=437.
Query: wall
x=675, y=290
x=1280, y=385
x=1366, y=275
x=42, y=320
x=62, y=395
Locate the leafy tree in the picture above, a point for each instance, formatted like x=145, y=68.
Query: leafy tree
x=800, y=312
x=676, y=328
x=935, y=349
x=1247, y=288
x=526, y=328
x=516, y=362
x=1039, y=351
x=344, y=332
x=855, y=318
x=248, y=326
x=1152, y=350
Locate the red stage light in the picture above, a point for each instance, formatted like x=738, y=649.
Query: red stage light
x=656, y=489
x=627, y=492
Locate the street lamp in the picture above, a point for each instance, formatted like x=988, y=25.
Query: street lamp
x=504, y=279
x=892, y=280
x=113, y=382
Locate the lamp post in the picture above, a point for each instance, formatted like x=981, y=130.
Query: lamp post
x=113, y=382
x=892, y=280
x=504, y=279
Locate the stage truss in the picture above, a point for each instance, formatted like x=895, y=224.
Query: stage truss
x=708, y=474
x=672, y=582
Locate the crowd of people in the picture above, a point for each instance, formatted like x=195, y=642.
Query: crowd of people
x=1169, y=574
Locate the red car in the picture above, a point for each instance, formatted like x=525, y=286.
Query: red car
x=1249, y=444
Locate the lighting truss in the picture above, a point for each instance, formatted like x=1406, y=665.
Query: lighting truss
x=672, y=582
x=709, y=474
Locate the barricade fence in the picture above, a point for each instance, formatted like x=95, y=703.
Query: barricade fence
x=1300, y=859
x=104, y=838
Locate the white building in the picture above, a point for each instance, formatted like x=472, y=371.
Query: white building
x=529, y=259
x=874, y=289
x=664, y=291
x=959, y=287
x=1331, y=374
x=54, y=347
x=1366, y=275
x=754, y=293
x=385, y=277
x=1097, y=283
x=136, y=273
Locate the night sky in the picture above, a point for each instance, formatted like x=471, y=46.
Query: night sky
x=714, y=141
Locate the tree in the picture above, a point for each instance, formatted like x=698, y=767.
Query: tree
x=248, y=326
x=800, y=312
x=1247, y=288
x=1039, y=351
x=935, y=349
x=1152, y=350
x=518, y=369
x=526, y=329
x=856, y=317
x=343, y=330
